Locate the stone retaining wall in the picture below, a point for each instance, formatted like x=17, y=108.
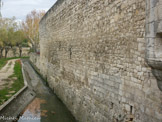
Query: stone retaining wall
x=14, y=52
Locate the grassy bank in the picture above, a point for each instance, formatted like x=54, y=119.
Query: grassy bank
x=3, y=61
x=18, y=83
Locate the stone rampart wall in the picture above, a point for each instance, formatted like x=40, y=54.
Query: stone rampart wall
x=92, y=53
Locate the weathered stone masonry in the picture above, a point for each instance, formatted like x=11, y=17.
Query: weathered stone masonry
x=92, y=53
x=154, y=38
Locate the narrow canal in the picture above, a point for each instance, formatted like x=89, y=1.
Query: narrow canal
x=46, y=106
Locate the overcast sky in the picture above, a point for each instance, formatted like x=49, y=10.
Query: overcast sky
x=20, y=8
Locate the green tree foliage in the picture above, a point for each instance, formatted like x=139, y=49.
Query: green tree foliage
x=10, y=35
x=3, y=37
x=19, y=40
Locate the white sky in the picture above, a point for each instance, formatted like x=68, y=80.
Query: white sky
x=20, y=8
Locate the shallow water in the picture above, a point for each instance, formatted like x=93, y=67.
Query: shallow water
x=46, y=107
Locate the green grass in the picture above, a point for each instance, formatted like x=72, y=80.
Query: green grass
x=3, y=61
x=16, y=86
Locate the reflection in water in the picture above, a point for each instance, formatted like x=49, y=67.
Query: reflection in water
x=33, y=111
x=46, y=107
x=29, y=117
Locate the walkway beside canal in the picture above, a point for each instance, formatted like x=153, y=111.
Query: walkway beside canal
x=5, y=73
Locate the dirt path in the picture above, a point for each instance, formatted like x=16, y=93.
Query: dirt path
x=5, y=72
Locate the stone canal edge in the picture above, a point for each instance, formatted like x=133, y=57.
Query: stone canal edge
x=12, y=108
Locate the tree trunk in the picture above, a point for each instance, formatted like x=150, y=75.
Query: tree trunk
x=6, y=52
x=20, y=51
x=1, y=52
x=33, y=44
